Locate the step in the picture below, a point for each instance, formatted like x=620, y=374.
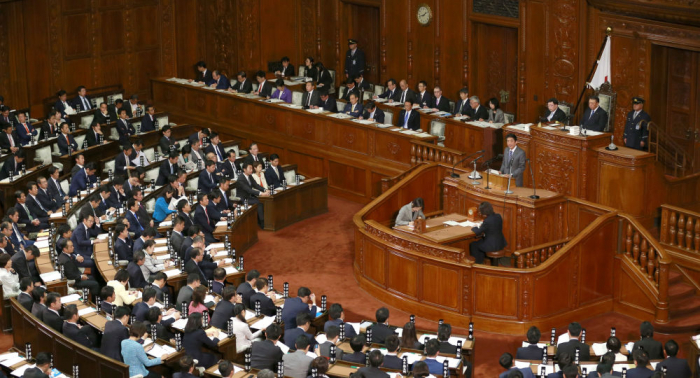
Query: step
x=686, y=324
x=685, y=307
x=674, y=277
x=679, y=291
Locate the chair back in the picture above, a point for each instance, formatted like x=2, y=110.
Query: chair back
x=332, y=88
x=86, y=121
x=43, y=155
x=114, y=97
x=379, y=89
x=151, y=205
x=341, y=91
x=296, y=98
x=150, y=153
x=162, y=121
x=255, y=86
x=452, y=107
x=114, y=134
x=388, y=118
x=340, y=105
x=73, y=221
x=192, y=184
x=151, y=174
x=109, y=165
x=509, y=117
x=79, y=140
x=302, y=70
x=608, y=99
x=65, y=185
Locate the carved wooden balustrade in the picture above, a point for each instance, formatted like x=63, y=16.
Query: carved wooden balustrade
x=651, y=260
x=534, y=256
x=671, y=154
x=388, y=182
x=428, y=152
x=680, y=228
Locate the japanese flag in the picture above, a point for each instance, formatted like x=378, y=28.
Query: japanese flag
x=602, y=72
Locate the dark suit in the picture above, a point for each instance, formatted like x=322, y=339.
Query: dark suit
x=217, y=287
x=63, y=143
x=205, y=222
x=514, y=164
x=329, y=105
x=106, y=307
x=315, y=99
x=641, y=372
x=38, y=310
x=480, y=113
x=391, y=94
x=148, y=123
x=53, y=320
x=530, y=352
x=325, y=349
x=207, y=182
x=25, y=299
x=176, y=240
x=113, y=112
x=597, y=122
x=76, y=334
x=191, y=267
x=559, y=116
x=406, y=95
x=378, y=115
x=187, y=218
x=72, y=272
x=243, y=87
x=443, y=105
x=184, y=295
x=426, y=99
x=23, y=268
x=79, y=182
x=165, y=144
x=570, y=349
x=265, y=90
x=47, y=131
x=136, y=225
x=267, y=307
x=38, y=209
x=55, y=192
x=527, y=373
x=5, y=141
x=381, y=331
x=287, y=72
x=61, y=107
x=124, y=249
x=392, y=362
x=357, y=357
x=355, y=113
x=92, y=138
x=290, y=337
x=136, y=279
x=493, y=241
x=413, y=120
x=112, y=338
x=222, y=313
x=246, y=291
x=292, y=307
x=354, y=63
x=653, y=348
x=165, y=170
x=204, y=77
x=248, y=189
x=310, y=72
x=140, y=311
x=222, y=83
x=10, y=165
x=121, y=162
x=274, y=176
x=348, y=92
x=675, y=367
x=24, y=218
x=326, y=79
x=349, y=330
x=637, y=130
x=84, y=105
x=372, y=372
x=102, y=118
x=194, y=341
x=22, y=134
x=125, y=129
x=265, y=355
x=218, y=150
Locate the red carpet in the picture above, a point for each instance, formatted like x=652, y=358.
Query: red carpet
x=318, y=253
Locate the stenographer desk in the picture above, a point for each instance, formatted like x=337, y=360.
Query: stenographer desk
x=438, y=232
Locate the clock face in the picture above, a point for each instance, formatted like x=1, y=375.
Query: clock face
x=424, y=15
x=471, y=211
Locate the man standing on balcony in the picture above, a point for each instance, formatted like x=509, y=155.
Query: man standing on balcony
x=637, y=126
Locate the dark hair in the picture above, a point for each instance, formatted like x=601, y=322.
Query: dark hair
x=238, y=310
x=421, y=369
x=603, y=368
x=4, y=258
x=253, y=274
x=201, y=64
x=225, y=368
x=285, y=59
x=219, y=274
x=273, y=332
x=121, y=276
x=148, y=294
x=38, y=292
x=533, y=335
x=60, y=93
x=260, y=283
x=194, y=322
x=139, y=256
x=671, y=347
x=409, y=339
x=303, y=318
x=444, y=331
x=417, y=202
x=335, y=311
x=153, y=314
x=409, y=100
x=506, y=360
x=495, y=102
x=432, y=347
x=357, y=342
x=515, y=374
x=186, y=363
x=555, y=102
x=260, y=74
x=106, y=292
x=391, y=81
x=70, y=311
x=382, y=315
x=596, y=98
x=228, y=292
x=138, y=329
x=570, y=371
x=575, y=329
x=392, y=343
x=321, y=365
x=301, y=342
x=486, y=209
x=198, y=296
x=274, y=156
x=376, y=358
x=159, y=276
x=34, y=250
x=43, y=358
x=464, y=90
x=511, y=135
x=613, y=344
x=52, y=298
x=646, y=329
x=370, y=105
x=332, y=332
x=192, y=278
x=303, y=292
x=121, y=312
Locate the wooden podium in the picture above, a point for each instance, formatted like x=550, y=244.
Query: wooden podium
x=497, y=180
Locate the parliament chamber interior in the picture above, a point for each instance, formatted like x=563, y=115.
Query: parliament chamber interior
x=350, y=189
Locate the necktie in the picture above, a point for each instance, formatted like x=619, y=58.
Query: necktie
x=25, y=127
x=137, y=220
x=510, y=156
x=85, y=103
x=31, y=218
x=223, y=194
x=39, y=203
x=308, y=102
x=592, y=112
x=12, y=142
x=437, y=101
x=171, y=169
x=403, y=96
x=635, y=115
x=210, y=179
x=405, y=119
x=206, y=212
x=352, y=109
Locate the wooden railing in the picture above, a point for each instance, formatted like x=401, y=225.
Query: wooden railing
x=428, y=152
x=534, y=256
x=669, y=152
x=651, y=260
x=388, y=182
x=680, y=228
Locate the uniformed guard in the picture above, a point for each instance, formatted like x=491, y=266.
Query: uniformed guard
x=637, y=126
x=354, y=60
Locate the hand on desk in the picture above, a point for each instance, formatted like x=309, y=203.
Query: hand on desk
x=79, y=258
x=272, y=296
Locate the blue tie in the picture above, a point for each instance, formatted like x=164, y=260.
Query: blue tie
x=137, y=220
x=405, y=120
x=510, y=155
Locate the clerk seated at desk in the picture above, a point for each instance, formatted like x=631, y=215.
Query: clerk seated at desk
x=409, y=119
x=410, y=212
x=492, y=229
x=513, y=160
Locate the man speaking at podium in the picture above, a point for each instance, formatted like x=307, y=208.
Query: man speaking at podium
x=513, y=160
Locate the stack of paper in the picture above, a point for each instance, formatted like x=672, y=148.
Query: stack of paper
x=263, y=323
x=160, y=249
x=19, y=372
x=215, y=245
x=315, y=111
x=70, y=298
x=12, y=361
x=85, y=311
x=220, y=223
x=522, y=364
x=539, y=345
x=159, y=350
x=451, y=362
x=363, y=121
x=230, y=270
x=599, y=349
x=180, y=324
x=275, y=100
x=412, y=357
x=292, y=106
x=56, y=215
x=463, y=224
x=172, y=272
x=408, y=131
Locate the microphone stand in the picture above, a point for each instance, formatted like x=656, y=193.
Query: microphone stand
x=532, y=176
x=510, y=176
x=488, y=171
x=475, y=175
x=454, y=175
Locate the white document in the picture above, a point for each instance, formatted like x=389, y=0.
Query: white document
x=215, y=245
x=230, y=270
x=165, y=223
x=539, y=345
x=321, y=338
x=208, y=298
x=160, y=249
x=221, y=223
x=180, y=324
x=172, y=272
x=275, y=100
x=412, y=357
x=161, y=240
x=102, y=236
x=12, y=361
x=263, y=323
x=19, y=372
x=563, y=338
x=51, y=276
x=6, y=356
x=522, y=364
x=55, y=215
x=70, y=298
x=424, y=339
x=85, y=311
x=599, y=349
x=221, y=253
x=283, y=347
x=159, y=350
x=355, y=326
x=315, y=111
x=41, y=244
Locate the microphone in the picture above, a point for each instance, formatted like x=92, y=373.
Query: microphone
x=454, y=175
x=532, y=178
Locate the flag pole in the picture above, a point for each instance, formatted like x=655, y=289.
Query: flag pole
x=608, y=32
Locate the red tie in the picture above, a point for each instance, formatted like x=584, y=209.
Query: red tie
x=25, y=127
x=206, y=212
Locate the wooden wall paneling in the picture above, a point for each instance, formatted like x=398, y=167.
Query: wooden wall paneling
x=249, y=25
x=373, y=260
x=596, y=260
x=450, y=47
x=629, y=297
x=533, y=82
x=495, y=294
x=547, y=288
x=394, y=17
x=188, y=44
x=279, y=32
x=439, y=282
x=402, y=274
x=565, y=61
x=168, y=38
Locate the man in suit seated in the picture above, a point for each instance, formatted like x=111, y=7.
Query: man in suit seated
x=423, y=97
x=71, y=271
x=81, y=241
x=8, y=142
x=26, y=287
x=140, y=310
x=219, y=81
x=136, y=224
x=148, y=122
x=357, y=344
x=573, y=343
x=215, y=147
x=224, y=309
x=513, y=160
x=196, y=263
x=82, y=179
x=95, y=135
x=300, y=304
x=391, y=94
x=653, y=347
x=287, y=70
x=381, y=330
x=675, y=367
x=492, y=229
x=76, y=332
x=373, y=113
x=303, y=321
x=108, y=296
x=432, y=350
x=219, y=283
x=310, y=99
x=65, y=139
x=55, y=190
x=554, y=114
x=361, y=84
x=102, y=115
x=34, y=222
x=594, y=118
x=641, y=363
x=274, y=173
x=266, y=354
x=405, y=93
x=167, y=143
x=136, y=278
x=51, y=316
x=13, y=165
x=61, y=105
x=114, y=109
x=124, y=127
x=282, y=92
x=248, y=189
x=185, y=293
x=332, y=336
x=82, y=101
x=39, y=297
x=444, y=332
x=207, y=179
x=439, y=103
x=203, y=75
x=391, y=360
x=246, y=289
x=205, y=220
x=350, y=89
x=327, y=103
x=49, y=127
x=506, y=361
x=532, y=351
x=25, y=131
x=376, y=359
x=267, y=299
x=479, y=113
x=167, y=167
x=354, y=107
x=298, y=362
x=122, y=163
x=264, y=85
x=155, y=316
x=243, y=85
x=38, y=199
x=408, y=118
x=123, y=245
x=115, y=332
x=336, y=317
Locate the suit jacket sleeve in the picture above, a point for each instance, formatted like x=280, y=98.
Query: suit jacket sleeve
x=404, y=216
